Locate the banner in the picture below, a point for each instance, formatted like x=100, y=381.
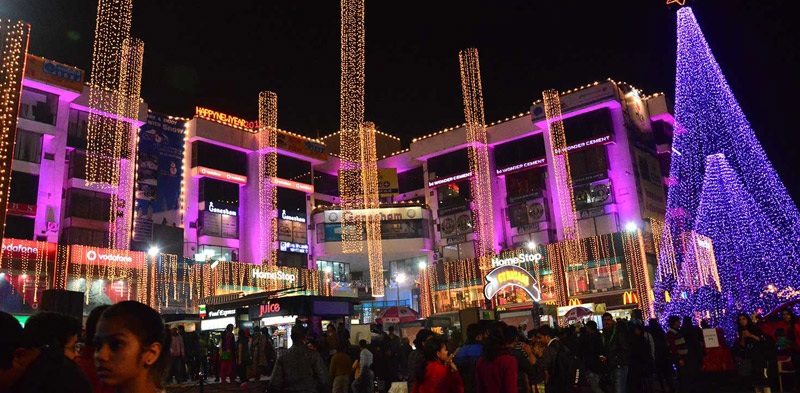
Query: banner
x=387, y=182
x=159, y=174
x=54, y=73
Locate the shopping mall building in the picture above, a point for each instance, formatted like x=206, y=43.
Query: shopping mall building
x=197, y=201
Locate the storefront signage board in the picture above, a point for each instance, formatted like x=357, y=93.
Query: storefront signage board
x=511, y=275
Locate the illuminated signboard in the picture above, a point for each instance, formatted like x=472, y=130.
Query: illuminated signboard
x=278, y=275
x=290, y=217
x=630, y=297
x=221, y=175
x=522, y=257
x=29, y=249
x=529, y=164
x=220, y=210
x=307, y=188
x=105, y=256
x=54, y=73
x=228, y=120
x=294, y=247
x=449, y=179
x=511, y=275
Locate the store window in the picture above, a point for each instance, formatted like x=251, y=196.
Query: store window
x=293, y=259
x=411, y=180
x=218, y=191
x=87, y=204
x=455, y=252
x=326, y=184
x=38, y=105
x=217, y=253
x=24, y=188
x=28, y=146
x=606, y=269
x=339, y=270
x=291, y=168
x=586, y=162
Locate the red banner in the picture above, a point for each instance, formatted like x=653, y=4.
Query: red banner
x=85, y=255
x=28, y=249
x=21, y=209
x=221, y=175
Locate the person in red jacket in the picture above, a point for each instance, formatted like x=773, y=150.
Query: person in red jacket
x=440, y=374
x=496, y=371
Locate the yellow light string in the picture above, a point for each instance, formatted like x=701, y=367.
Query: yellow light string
x=563, y=190
x=40, y=259
x=268, y=171
x=13, y=52
x=369, y=181
x=351, y=107
x=102, y=150
x=481, y=186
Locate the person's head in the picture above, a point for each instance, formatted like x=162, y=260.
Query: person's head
x=743, y=320
x=422, y=336
x=510, y=335
x=674, y=322
x=129, y=346
x=174, y=331
x=704, y=324
x=55, y=331
x=298, y=334
x=637, y=329
x=15, y=355
x=545, y=333
x=331, y=328
x=181, y=329
x=435, y=349
x=608, y=321
x=404, y=341
x=591, y=326
x=229, y=328
x=637, y=315
x=687, y=321
x=362, y=344
x=265, y=331
x=91, y=323
x=391, y=329
x=472, y=333
x=787, y=315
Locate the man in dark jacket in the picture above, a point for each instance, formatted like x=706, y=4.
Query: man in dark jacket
x=554, y=378
x=592, y=345
x=616, y=352
x=468, y=355
x=301, y=369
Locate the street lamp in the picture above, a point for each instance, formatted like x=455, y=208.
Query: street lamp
x=153, y=251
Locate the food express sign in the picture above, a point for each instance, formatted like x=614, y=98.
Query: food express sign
x=511, y=275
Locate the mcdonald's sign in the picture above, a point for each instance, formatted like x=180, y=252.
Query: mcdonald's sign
x=630, y=297
x=575, y=302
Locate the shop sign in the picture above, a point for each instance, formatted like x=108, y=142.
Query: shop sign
x=21, y=209
x=630, y=297
x=449, y=179
x=16, y=248
x=269, y=308
x=221, y=313
x=522, y=257
x=221, y=175
x=511, y=275
x=228, y=120
x=575, y=302
x=387, y=214
x=294, y=247
x=224, y=210
x=54, y=73
x=456, y=239
x=290, y=217
x=387, y=182
x=279, y=275
x=105, y=256
x=307, y=188
x=202, y=311
x=524, y=165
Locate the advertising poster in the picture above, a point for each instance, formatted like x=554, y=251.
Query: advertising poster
x=652, y=198
x=284, y=230
x=159, y=174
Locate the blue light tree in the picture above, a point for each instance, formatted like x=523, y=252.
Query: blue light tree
x=708, y=121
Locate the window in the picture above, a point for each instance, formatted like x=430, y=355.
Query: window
x=77, y=128
x=19, y=227
x=290, y=168
x=519, y=151
x=588, y=126
x=24, y=188
x=605, y=270
x=216, y=253
x=218, y=157
x=293, y=201
x=38, y=106
x=77, y=165
x=586, y=162
x=291, y=259
x=525, y=185
x=411, y=180
x=455, y=252
x=213, y=190
x=86, y=237
x=326, y=184
x=28, y=146
x=87, y=204
x=339, y=270
x=453, y=194
x=454, y=163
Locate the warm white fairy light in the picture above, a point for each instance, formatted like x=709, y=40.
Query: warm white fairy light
x=563, y=188
x=267, y=171
x=351, y=106
x=481, y=187
x=369, y=180
x=102, y=150
x=13, y=51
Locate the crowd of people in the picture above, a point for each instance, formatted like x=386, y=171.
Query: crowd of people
x=126, y=347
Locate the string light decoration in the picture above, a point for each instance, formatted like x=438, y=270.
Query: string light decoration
x=699, y=267
x=478, y=151
x=351, y=106
x=14, y=38
x=267, y=171
x=708, y=122
x=127, y=138
x=563, y=188
x=102, y=148
x=369, y=183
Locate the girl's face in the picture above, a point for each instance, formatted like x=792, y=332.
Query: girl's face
x=71, y=350
x=742, y=321
x=786, y=316
x=442, y=354
x=119, y=357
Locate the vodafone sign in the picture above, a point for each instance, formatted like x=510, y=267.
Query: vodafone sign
x=220, y=175
x=19, y=249
x=104, y=256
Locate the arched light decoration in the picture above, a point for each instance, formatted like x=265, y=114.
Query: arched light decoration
x=267, y=171
x=563, y=190
x=102, y=148
x=369, y=180
x=13, y=51
x=478, y=150
x=351, y=106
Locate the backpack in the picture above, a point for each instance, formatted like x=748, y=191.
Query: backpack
x=570, y=367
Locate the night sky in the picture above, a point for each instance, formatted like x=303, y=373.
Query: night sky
x=220, y=54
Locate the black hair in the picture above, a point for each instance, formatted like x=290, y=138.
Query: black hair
x=547, y=331
x=51, y=329
x=391, y=328
x=672, y=319
x=747, y=317
x=499, y=336
x=298, y=333
x=145, y=323
x=591, y=324
x=362, y=343
x=472, y=332
x=608, y=315
x=421, y=337
x=10, y=340
x=91, y=323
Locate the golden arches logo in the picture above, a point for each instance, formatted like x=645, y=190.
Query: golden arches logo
x=630, y=297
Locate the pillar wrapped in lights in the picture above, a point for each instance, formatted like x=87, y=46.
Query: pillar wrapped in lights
x=126, y=135
x=108, y=58
x=369, y=183
x=563, y=189
x=267, y=171
x=13, y=51
x=351, y=123
x=478, y=150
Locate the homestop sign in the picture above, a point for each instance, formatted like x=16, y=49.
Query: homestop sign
x=511, y=275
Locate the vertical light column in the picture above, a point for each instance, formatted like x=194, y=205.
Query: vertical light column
x=126, y=137
x=351, y=106
x=267, y=171
x=13, y=51
x=481, y=187
x=369, y=180
x=563, y=190
x=102, y=150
